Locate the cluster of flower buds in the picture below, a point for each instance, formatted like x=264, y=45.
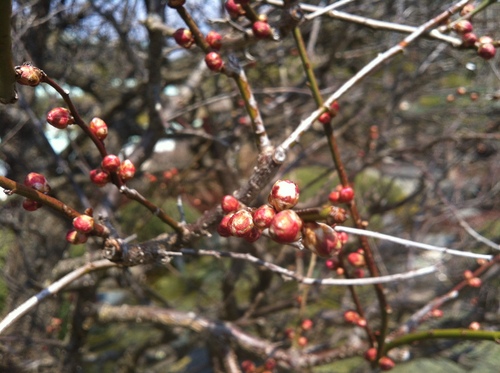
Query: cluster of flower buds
x=40, y=184
x=352, y=317
x=472, y=281
x=83, y=225
x=341, y=194
x=112, y=164
x=327, y=116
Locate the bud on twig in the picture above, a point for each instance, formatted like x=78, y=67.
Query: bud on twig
x=60, y=117
x=37, y=182
x=284, y=195
x=286, y=227
x=27, y=74
x=99, y=128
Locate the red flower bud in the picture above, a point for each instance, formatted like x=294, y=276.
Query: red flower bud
x=229, y=204
x=83, y=223
x=486, y=51
x=253, y=235
x=307, y=324
x=214, y=39
x=37, y=182
x=343, y=237
x=184, y=38
x=110, y=163
x=99, y=128
x=126, y=170
x=467, y=9
x=214, y=61
x=286, y=227
x=351, y=317
x=332, y=264
x=302, y=341
x=334, y=108
x=475, y=282
x=241, y=223
x=474, y=326
x=31, y=205
x=74, y=237
x=28, y=74
x=356, y=259
x=325, y=118
x=371, y=354
x=469, y=39
x=263, y=216
x=223, y=227
x=248, y=366
x=60, y=117
x=321, y=239
x=270, y=364
x=463, y=26
x=334, y=196
x=261, y=29
x=346, y=195
x=99, y=177
x=234, y=10
x=284, y=195
x=385, y=363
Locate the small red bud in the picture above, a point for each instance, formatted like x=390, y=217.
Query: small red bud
x=343, y=237
x=486, y=51
x=385, y=363
x=74, y=237
x=474, y=326
x=261, y=29
x=248, y=366
x=270, y=364
x=184, y=38
x=99, y=177
x=371, y=354
x=334, y=107
x=83, y=223
x=325, y=118
x=356, y=259
x=263, y=216
x=241, y=223
x=307, y=324
x=468, y=274
x=28, y=74
x=37, y=182
x=214, y=61
x=60, y=117
x=286, y=227
x=31, y=205
x=289, y=333
x=334, y=196
x=346, y=195
x=234, y=10
x=229, y=204
x=302, y=341
x=110, y=163
x=321, y=239
x=332, y=264
x=463, y=26
x=467, y=9
x=351, y=317
x=223, y=227
x=475, y=282
x=99, y=128
x=126, y=170
x=253, y=235
x=284, y=195
x=214, y=39
x=469, y=39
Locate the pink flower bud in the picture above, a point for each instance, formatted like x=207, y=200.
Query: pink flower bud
x=31, y=205
x=385, y=363
x=126, y=170
x=223, y=227
x=214, y=61
x=332, y=264
x=184, y=38
x=351, y=317
x=486, y=51
x=234, y=10
x=214, y=39
x=475, y=282
x=99, y=177
x=325, y=118
x=474, y=326
x=270, y=364
x=343, y=237
x=321, y=239
x=356, y=259
x=286, y=227
x=28, y=74
x=469, y=39
x=110, y=163
x=284, y=195
x=307, y=324
x=248, y=366
x=253, y=235
x=229, y=204
x=346, y=195
x=83, y=223
x=302, y=341
x=371, y=354
x=241, y=223
x=334, y=196
x=261, y=29
x=74, y=237
x=60, y=117
x=463, y=26
x=99, y=128
x=263, y=216
x=37, y=182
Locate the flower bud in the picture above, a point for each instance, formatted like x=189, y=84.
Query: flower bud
x=307, y=324
x=37, y=182
x=83, y=223
x=486, y=51
x=336, y=215
x=99, y=128
x=60, y=117
x=28, y=74
x=463, y=26
x=302, y=341
x=110, y=163
x=286, y=227
x=325, y=118
x=214, y=39
x=386, y=363
x=248, y=366
x=184, y=38
x=474, y=326
x=253, y=235
x=371, y=354
x=284, y=195
x=351, y=317
x=223, y=227
x=214, y=61
x=241, y=223
x=467, y=9
x=321, y=239
x=332, y=264
x=99, y=177
x=229, y=204
x=233, y=9
x=475, y=282
x=31, y=205
x=261, y=29
x=126, y=170
x=263, y=216
x=346, y=194
x=356, y=259
x=74, y=237
x=334, y=196
x=469, y=39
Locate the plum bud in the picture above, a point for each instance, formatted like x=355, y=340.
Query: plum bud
x=321, y=239
x=229, y=204
x=241, y=223
x=99, y=128
x=184, y=38
x=284, y=195
x=31, y=205
x=83, y=223
x=126, y=170
x=37, y=182
x=263, y=216
x=286, y=227
x=28, y=74
x=60, y=117
x=110, y=163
